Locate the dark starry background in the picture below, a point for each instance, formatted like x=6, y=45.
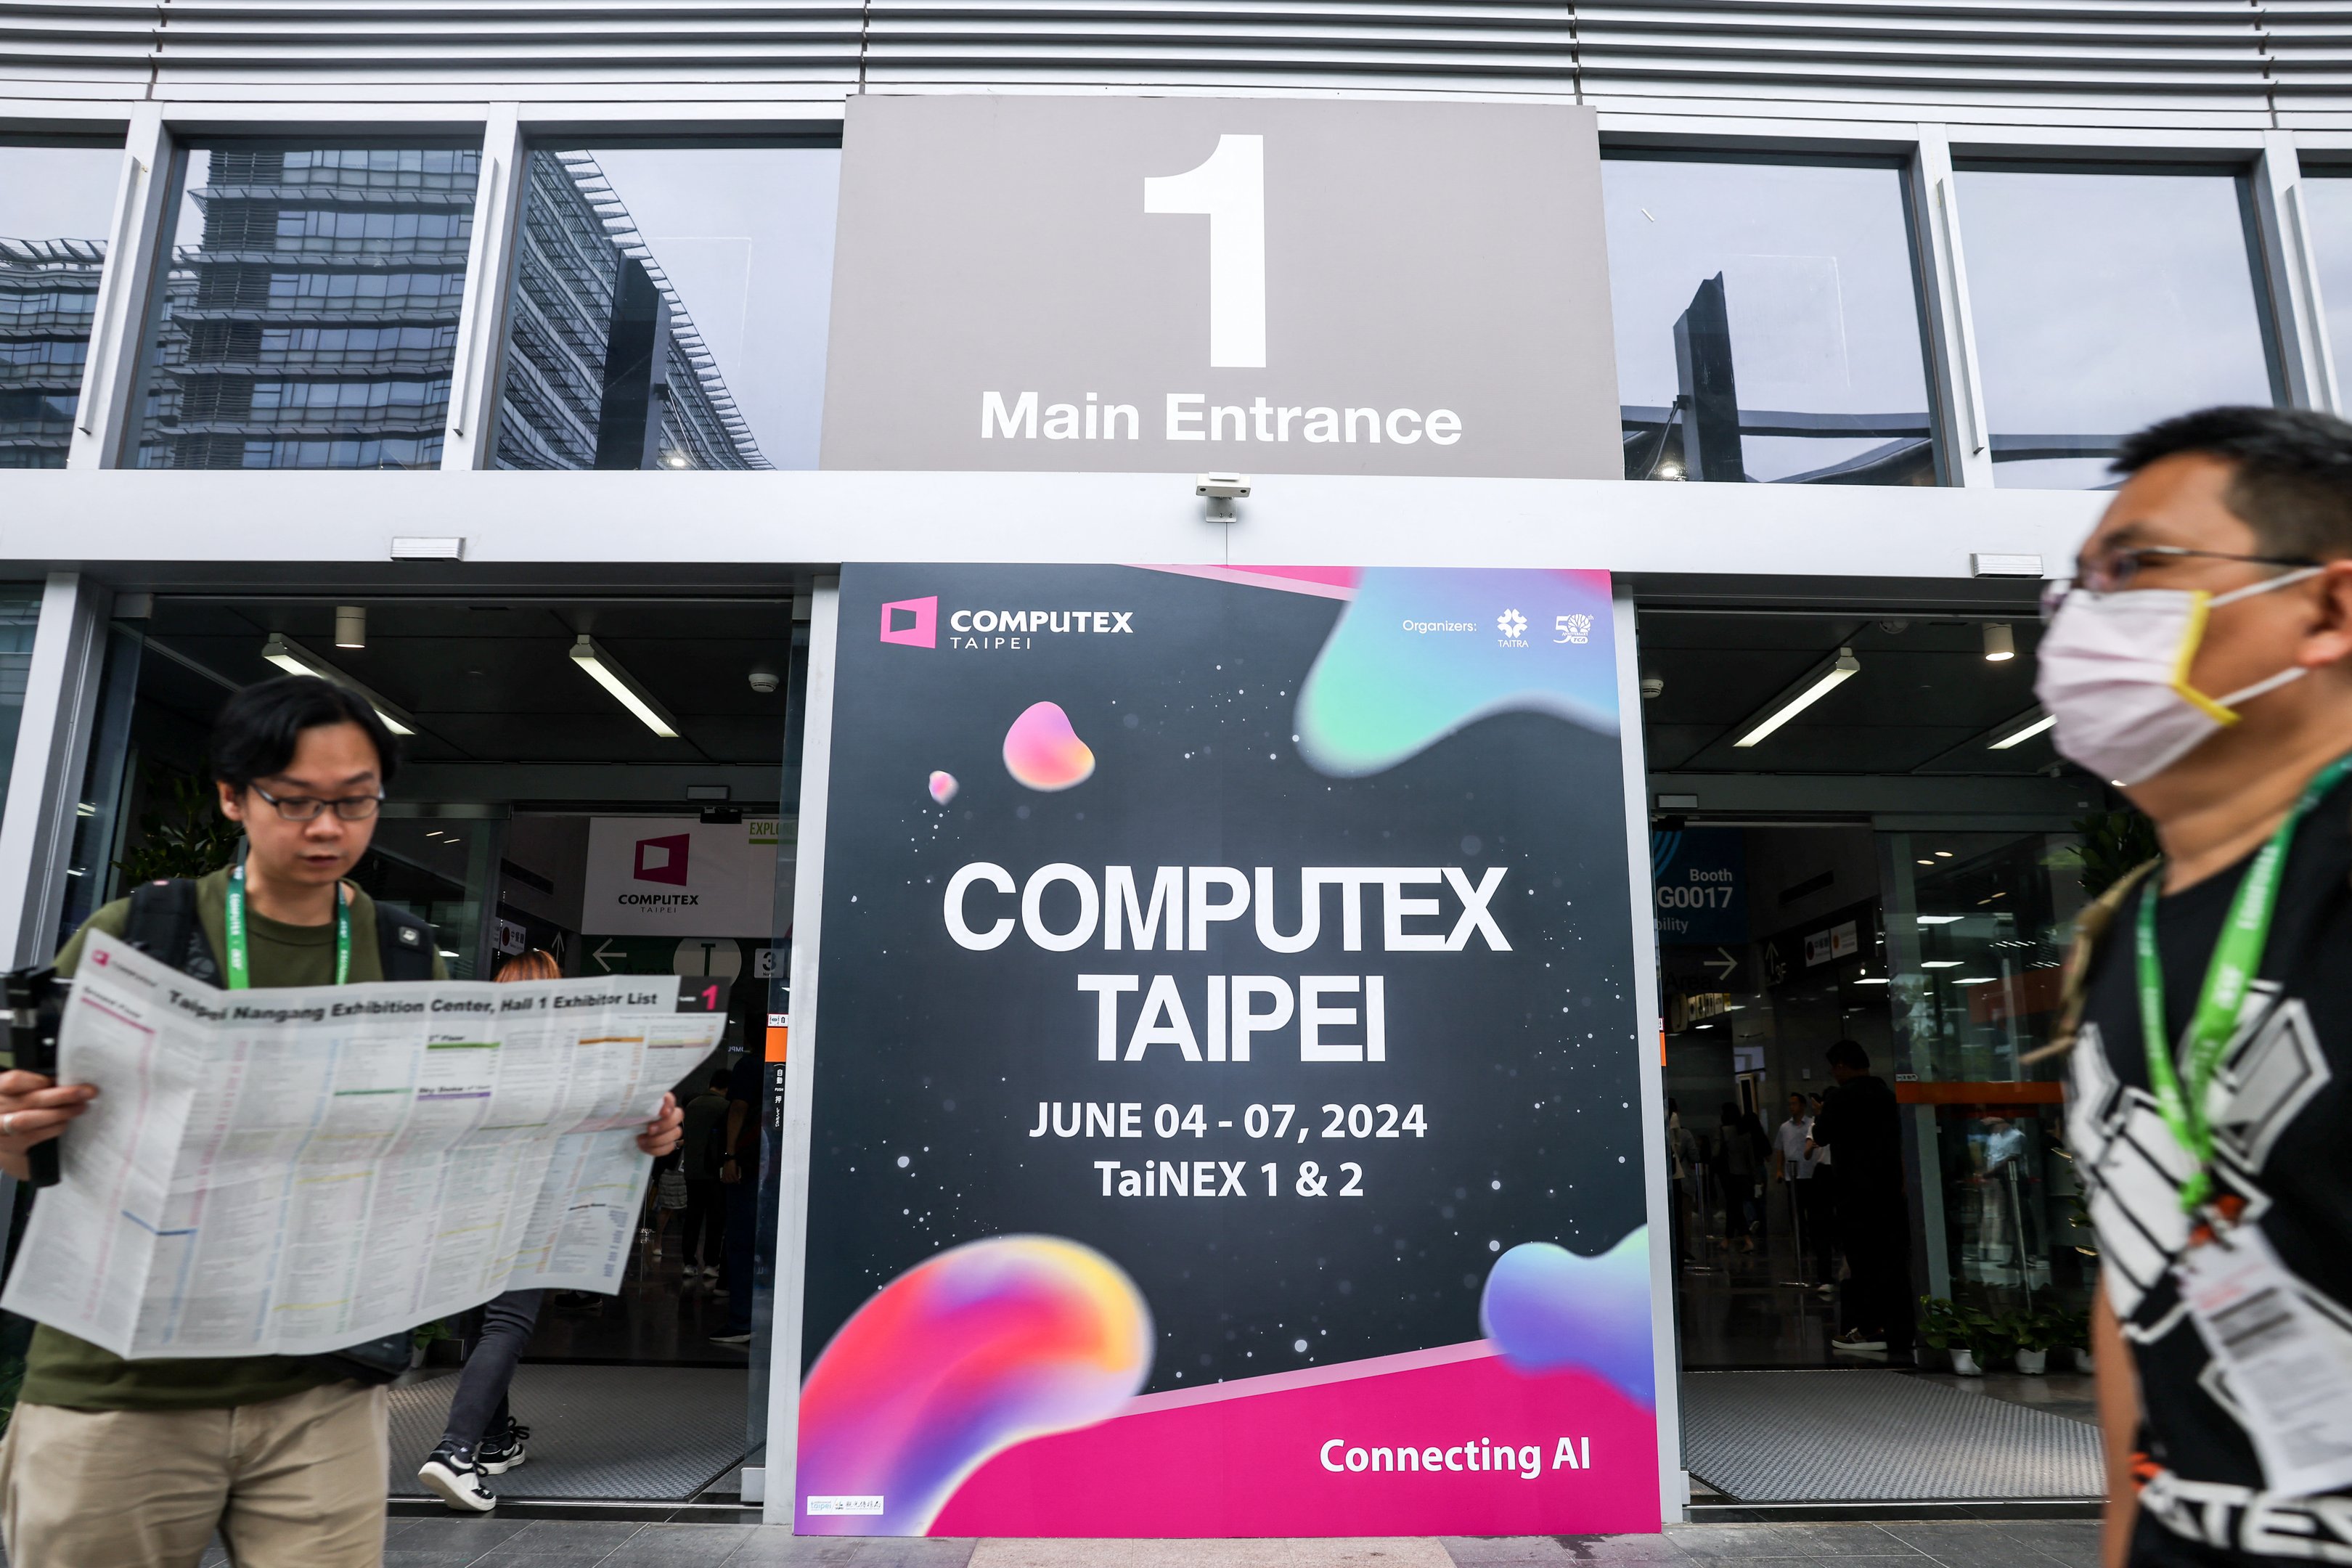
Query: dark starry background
x=934, y=1059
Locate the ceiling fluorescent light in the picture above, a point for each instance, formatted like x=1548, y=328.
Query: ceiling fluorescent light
x=1816, y=684
x=1870, y=980
x=590, y=657
x=295, y=659
x=2024, y=727
x=1941, y=962
x=1939, y=919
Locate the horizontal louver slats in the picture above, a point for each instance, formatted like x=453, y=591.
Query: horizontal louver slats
x=1805, y=56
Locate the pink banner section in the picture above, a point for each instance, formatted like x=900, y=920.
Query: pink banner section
x=1465, y=1447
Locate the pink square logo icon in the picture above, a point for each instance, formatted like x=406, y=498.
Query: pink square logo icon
x=914, y=623
x=664, y=859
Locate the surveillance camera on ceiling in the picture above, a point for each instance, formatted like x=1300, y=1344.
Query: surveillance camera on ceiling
x=764, y=681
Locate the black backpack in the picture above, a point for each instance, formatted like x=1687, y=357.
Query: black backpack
x=164, y=926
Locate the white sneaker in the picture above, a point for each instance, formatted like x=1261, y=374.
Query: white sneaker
x=451, y=1475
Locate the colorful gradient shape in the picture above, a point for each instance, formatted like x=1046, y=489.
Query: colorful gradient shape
x=1043, y=750
x=943, y=788
x=1549, y=1309
x=1422, y=652
x=983, y=1347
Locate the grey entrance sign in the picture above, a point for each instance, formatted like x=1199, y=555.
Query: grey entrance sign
x=1185, y=284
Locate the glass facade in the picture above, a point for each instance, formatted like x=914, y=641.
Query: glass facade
x=2327, y=219
x=1978, y=928
x=669, y=308
x=1768, y=323
x=306, y=316
x=20, y=617
x=55, y=205
x=2104, y=300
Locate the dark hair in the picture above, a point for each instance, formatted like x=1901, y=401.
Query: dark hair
x=720, y=1078
x=1848, y=1053
x=255, y=734
x=2293, y=480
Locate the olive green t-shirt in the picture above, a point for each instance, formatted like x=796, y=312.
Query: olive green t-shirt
x=62, y=1370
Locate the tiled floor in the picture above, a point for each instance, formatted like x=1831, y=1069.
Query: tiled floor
x=513, y=1543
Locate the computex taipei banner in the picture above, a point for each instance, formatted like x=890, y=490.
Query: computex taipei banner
x=1225, y=1066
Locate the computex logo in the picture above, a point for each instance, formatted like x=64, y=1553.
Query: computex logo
x=912, y=622
x=663, y=859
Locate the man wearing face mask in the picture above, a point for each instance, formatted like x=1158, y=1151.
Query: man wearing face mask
x=2201, y=660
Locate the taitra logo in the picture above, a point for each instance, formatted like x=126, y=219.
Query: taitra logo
x=1511, y=623
x=914, y=622
x=663, y=859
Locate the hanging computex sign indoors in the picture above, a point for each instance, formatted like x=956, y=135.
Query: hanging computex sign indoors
x=1226, y=1093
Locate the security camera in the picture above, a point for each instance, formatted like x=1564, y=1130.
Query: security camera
x=1221, y=492
x=764, y=680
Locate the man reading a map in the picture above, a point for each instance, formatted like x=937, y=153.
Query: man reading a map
x=115, y=1463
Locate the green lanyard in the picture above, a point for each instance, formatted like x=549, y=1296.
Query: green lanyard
x=240, y=968
x=2237, y=957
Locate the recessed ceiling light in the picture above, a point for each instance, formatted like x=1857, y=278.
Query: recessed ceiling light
x=590, y=657
x=1943, y=854
x=2019, y=732
x=1926, y=862
x=1972, y=979
x=1940, y=962
x=1938, y=920
x=295, y=659
x=1816, y=684
x=1871, y=980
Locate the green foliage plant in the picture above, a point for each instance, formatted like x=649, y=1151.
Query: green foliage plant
x=182, y=833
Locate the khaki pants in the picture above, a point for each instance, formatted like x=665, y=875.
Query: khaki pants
x=296, y=1482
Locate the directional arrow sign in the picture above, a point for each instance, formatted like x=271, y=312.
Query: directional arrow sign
x=604, y=955
x=1722, y=966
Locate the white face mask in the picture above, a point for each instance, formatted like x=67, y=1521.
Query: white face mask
x=2115, y=674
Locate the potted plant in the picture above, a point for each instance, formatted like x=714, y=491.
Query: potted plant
x=2035, y=1334
x=423, y=1339
x=1972, y=1336
x=2069, y=1331
x=1939, y=1323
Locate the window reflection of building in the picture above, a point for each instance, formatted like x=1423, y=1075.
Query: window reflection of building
x=1768, y=323
x=48, y=295
x=311, y=319
x=604, y=368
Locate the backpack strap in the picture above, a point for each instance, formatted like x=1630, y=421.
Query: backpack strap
x=163, y=925
x=404, y=944
x=2091, y=927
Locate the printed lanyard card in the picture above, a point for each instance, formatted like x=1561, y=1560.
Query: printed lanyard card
x=2287, y=1369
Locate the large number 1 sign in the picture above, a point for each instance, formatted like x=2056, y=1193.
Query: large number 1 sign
x=1229, y=189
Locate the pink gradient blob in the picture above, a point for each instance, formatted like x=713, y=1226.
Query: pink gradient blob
x=943, y=788
x=1042, y=751
x=964, y=1355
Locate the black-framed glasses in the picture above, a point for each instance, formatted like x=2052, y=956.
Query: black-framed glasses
x=2115, y=570
x=306, y=808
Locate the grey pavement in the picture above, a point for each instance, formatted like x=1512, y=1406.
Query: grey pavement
x=563, y=1543
x=553, y=1543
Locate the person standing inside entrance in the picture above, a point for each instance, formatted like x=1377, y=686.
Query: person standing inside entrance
x=704, y=1243
x=1792, y=1168
x=1863, y=1131
x=110, y=1463
x=2201, y=656
x=480, y=1436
